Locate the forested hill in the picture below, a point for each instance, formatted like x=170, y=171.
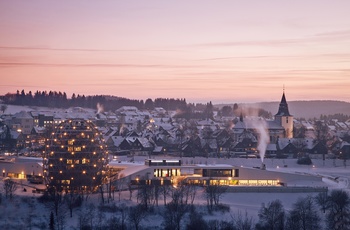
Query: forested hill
x=308, y=109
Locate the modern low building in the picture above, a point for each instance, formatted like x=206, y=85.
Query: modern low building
x=169, y=171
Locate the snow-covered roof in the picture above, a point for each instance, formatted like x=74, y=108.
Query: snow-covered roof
x=23, y=115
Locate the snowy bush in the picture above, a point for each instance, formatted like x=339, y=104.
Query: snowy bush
x=304, y=161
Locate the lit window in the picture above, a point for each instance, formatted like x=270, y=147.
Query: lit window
x=77, y=149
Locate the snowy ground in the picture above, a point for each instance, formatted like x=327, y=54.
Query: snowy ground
x=24, y=210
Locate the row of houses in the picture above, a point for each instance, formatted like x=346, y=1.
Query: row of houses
x=129, y=130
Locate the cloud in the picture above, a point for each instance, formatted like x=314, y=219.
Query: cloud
x=84, y=50
x=14, y=64
x=319, y=37
x=335, y=34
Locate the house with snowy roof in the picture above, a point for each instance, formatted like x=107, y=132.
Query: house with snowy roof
x=23, y=121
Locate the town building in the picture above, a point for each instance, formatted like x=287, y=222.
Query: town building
x=168, y=172
x=280, y=127
x=75, y=157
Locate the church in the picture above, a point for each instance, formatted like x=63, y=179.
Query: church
x=280, y=127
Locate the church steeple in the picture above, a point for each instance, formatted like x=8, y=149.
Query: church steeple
x=284, y=118
x=283, y=109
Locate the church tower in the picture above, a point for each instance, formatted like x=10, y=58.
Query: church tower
x=284, y=118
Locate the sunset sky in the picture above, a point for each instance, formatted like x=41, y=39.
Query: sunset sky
x=219, y=51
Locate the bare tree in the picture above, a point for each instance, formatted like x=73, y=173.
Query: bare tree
x=338, y=210
x=72, y=200
x=271, y=216
x=114, y=222
x=136, y=215
x=322, y=200
x=131, y=189
x=61, y=218
x=120, y=186
x=101, y=216
x=321, y=132
x=241, y=222
x=165, y=190
x=87, y=216
x=213, y=193
x=9, y=187
x=196, y=221
x=303, y=216
x=144, y=195
x=123, y=216
x=102, y=194
x=300, y=145
x=173, y=215
x=156, y=192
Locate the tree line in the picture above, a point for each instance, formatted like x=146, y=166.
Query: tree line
x=61, y=100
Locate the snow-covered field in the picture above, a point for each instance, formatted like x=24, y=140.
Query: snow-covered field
x=25, y=212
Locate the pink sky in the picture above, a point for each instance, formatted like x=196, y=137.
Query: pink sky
x=223, y=51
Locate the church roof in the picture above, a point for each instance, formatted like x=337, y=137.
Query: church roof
x=283, y=109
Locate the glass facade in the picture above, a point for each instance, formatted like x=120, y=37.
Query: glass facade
x=166, y=172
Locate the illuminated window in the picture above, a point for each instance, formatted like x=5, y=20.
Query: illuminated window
x=71, y=142
x=77, y=149
x=69, y=161
x=65, y=181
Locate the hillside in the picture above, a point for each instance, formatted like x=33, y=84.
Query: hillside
x=305, y=109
